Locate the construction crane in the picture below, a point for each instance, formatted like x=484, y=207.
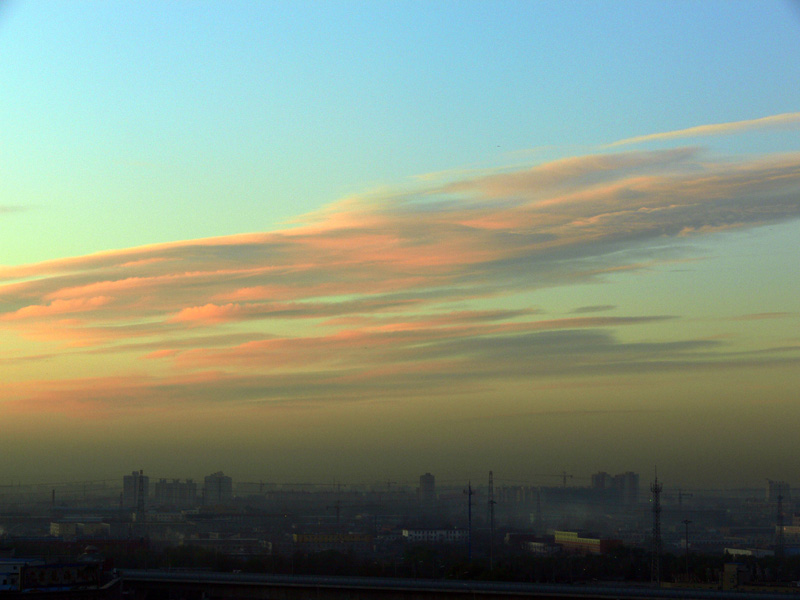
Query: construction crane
x=680, y=495
x=252, y=484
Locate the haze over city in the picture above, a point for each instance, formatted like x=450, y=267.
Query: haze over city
x=350, y=241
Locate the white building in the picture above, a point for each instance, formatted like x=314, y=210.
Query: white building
x=435, y=536
x=10, y=569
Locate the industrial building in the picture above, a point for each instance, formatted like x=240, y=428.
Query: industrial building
x=572, y=541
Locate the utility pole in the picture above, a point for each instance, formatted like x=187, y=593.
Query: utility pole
x=491, y=521
x=538, y=510
x=469, y=494
x=686, y=544
x=779, y=545
x=655, y=574
x=564, y=476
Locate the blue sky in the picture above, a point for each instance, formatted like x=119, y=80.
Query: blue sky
x=177, y=120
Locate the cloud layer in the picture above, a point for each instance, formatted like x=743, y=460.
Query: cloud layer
x=408, y=293
x=781, y=121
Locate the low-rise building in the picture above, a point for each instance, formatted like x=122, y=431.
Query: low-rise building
x=319, y=542
x=435, y=536
x=73, y=529
x=10, y=572
x=542, y=547
x=756, y=552
x=572, y=541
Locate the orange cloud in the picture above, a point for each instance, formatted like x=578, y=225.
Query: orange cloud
x=57, y=307
x=762, y=316
x=208, y=313
x=395, y=282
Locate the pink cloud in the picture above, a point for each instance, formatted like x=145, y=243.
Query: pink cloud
x=159, y=354
x=57, y=307
x=372, y=280
x=208, y=313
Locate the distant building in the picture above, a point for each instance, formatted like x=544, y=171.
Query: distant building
x=218, y=489
x=175, y=493
x=602, y=481
x=516, y=494
x=757, y=552
x=135, y=490
x=518, y=541
x=64, y=529
x=791, y=532
x=320, y=542
x=625, y=486
x=10, y=569
x=542, y=547
x=778, y=488
x=572, y=541
x=427, y=492
x=73, y=529
x=435, y=536
x=232, y=546
x=96, y=530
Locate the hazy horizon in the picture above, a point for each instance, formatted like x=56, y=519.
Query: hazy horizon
x=352, y=242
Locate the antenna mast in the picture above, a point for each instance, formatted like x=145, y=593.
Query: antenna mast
x=469, y=494
x=491, y=521
x=656, y=488
x=779, y=542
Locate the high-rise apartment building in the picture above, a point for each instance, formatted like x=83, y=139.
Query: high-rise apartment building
x=602, y=481
x=135, y=490
x=427, y=491
x=218, y=489
x=625, y=485
x=778, y=488
x=175, y=493
x=628, y=485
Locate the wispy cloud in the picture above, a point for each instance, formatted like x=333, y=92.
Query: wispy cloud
x=781, y=121
x=389, y=291
x=763, y=316
x=570, y=414
x=594, y=308
x=10, y=208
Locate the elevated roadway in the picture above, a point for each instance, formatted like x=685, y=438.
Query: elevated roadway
x=204, y=585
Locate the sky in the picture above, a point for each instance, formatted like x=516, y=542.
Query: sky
x=359, y=241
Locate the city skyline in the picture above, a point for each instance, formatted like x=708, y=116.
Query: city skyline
x=565, y=479
x=343, y=241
